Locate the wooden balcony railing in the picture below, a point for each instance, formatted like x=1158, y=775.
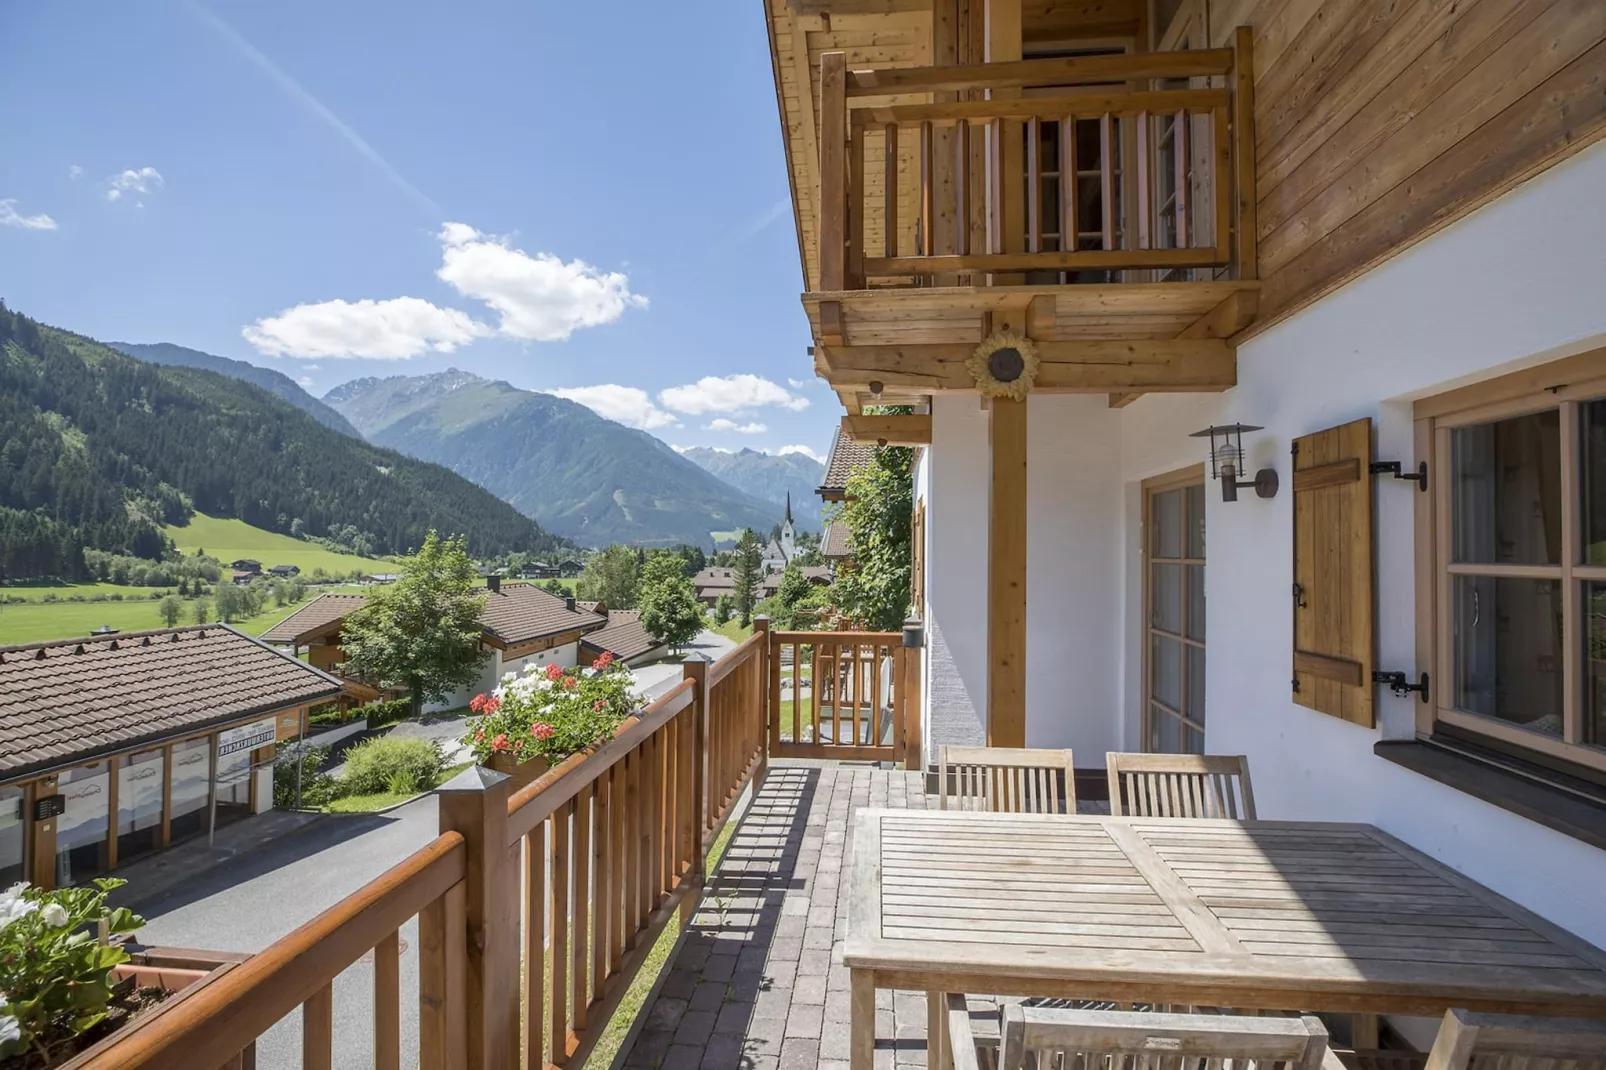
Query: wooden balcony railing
x=537, y=908
x=1083, y=167
x=840, y=695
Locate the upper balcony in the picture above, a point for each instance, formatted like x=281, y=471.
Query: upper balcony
x=1086, y=202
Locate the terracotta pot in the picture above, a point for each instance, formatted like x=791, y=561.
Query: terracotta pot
x=521, y=772
x=180, y=971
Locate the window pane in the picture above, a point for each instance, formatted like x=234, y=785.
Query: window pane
x=1166, y=736
x=1507, y=648
x=81, y=829
x=1593, y=477
x=1195, y=741
x=1165, y=516
x=1165, y=598
x=10, y=836
x=1594, y=726
x=1505, y=491
x=233, y=787
x=1165, y=671
x=1196, y=521
x=1196, y=603
x=1196, y=684
x=139, y=805
x=192, y=780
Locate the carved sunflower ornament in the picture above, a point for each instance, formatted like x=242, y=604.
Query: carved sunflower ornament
x=1004, y=365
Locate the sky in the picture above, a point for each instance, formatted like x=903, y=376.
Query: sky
x=587, y=199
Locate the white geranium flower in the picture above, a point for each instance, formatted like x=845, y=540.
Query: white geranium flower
x=54, y=915
x=13, y=906
x=588, y=672
x=532, y=666
x=509, y=676
x=10, y=1028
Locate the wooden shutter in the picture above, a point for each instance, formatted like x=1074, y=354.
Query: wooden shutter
x=1333, y=574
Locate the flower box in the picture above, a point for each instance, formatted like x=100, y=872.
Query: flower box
x=521, y=772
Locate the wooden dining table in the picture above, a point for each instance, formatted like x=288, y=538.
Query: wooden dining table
x=1258, y=915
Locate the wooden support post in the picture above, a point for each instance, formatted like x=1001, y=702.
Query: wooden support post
x=1243, y=150
x=833, y=171
x=914, y=641
x=474, y=803
x=1008, y=186
x=945, y=220
x=697, y=671
x=1006, y=578
x=766, y=667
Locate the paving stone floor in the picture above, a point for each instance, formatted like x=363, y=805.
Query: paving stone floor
x=758, y=980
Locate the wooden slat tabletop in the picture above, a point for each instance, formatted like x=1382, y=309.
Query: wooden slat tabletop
x=1266, y=914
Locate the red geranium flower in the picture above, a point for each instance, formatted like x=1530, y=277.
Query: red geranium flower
x=554, y=671
x=491, y=705
x=598, y=706
x=500, y=742
x=477, y=703
x=541, y=730
x=570, y=683
x=604, y=661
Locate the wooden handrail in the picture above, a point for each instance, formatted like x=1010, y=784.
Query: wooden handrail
x=752, y=646
x=214, y=1024
x=1068, y=106
x=540, y=798
x=1075, y=70
x=894, y=638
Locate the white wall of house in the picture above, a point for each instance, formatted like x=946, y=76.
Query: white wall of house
x=1517, y=283
x=493, y=668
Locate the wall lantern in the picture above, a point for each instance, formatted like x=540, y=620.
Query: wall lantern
x=1226, y=460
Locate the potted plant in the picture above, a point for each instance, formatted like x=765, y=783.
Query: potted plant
x=538, y=718
x=60, y=989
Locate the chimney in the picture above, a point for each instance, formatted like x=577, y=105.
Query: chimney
x=493, y=583
x=569, y=602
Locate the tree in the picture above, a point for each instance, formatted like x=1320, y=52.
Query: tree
x=694, y=558
x=556, y=587
x=722, y=609
x=231, y=603
x=202, y=611
x=747, y=573
x=874, y=589
x=613, y=577
x=423, y=631
x=171, y=608
x=792, y=590
x=669, y=609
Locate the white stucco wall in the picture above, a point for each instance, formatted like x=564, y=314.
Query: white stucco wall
x=493, y=668
x=1519, y=282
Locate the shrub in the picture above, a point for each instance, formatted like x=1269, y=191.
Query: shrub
x=386, y=712
x=390, y=764
x=552, y=712
x=316, y=788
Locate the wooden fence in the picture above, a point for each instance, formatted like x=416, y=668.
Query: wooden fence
x=536, y=908
x=840, y=695
x=1093, y=164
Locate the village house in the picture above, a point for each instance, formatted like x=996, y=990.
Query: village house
x=116, y=747
x=523, y=624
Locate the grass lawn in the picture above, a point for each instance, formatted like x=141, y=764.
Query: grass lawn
x=731, y=629
x=229, y=540
x=64, y=591
x=37, y=622
x=367, y=804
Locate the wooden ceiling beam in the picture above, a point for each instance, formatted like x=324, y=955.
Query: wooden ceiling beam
x=1235, y=312
x=1204, y=364
x=898, y=430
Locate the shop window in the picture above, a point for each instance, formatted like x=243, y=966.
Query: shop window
x=192, y=786
x=81, y=831
x=139, y=804
x=13, y=842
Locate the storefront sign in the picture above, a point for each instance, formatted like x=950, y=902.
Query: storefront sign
x=49, y=806
x=246, y=737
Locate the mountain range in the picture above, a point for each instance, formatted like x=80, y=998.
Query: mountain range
x=100, y=450
x=769, y=477
x=580, y=475
x=275, y=383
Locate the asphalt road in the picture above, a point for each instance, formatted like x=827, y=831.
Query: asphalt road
x=248, y=902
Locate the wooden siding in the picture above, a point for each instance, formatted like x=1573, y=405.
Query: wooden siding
x=1380, y=121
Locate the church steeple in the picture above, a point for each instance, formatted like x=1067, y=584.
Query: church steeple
x=788, y=507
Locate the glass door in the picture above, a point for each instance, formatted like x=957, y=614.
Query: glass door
x=1174, y=669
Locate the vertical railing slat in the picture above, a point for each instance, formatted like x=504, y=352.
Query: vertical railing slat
x=318, y=1030
x=833, y=128
x=387, y=1003
x=580, y=934
x=535, y=929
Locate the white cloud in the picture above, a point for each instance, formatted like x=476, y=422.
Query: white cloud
x=723, y=424
x=304, y=382
x=10, y=217
x=730, y=393
x=540, y=297
x=74, y=171
x=629, y=405
x=804, y=450
x=801, y=384
x=130, y=181
x=396, y=329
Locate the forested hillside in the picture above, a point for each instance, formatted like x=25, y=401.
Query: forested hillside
x=769, y=477
x=275, y=383
x=99, y=450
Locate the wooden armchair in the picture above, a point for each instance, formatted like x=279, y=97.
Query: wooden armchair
x=1469, y=1041
x=1007, y=779
x=1050, y=1038
x=1180, y=785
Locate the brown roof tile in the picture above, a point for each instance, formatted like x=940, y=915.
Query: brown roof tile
x=520, y=612
x=846, y=456
x=73, y=699
x=837, y=541
x=323, y=610
x=625, y=636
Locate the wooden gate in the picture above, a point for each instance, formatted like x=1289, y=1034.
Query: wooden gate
x=838, y=695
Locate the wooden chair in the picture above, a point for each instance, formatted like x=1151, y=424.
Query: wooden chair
x=1469, y=1041
x=1180, y=785
x=1054, y=1038
x=1007, y=779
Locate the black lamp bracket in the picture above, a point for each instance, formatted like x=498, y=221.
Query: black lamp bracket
x=1397, y=470
x=1398, y=684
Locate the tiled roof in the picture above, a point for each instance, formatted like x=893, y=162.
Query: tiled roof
x=325, y=609
x=590, y=607
x=846, y=456
x=837, y=541
x=520, y=612
x=74, y=699
x=625, y=635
